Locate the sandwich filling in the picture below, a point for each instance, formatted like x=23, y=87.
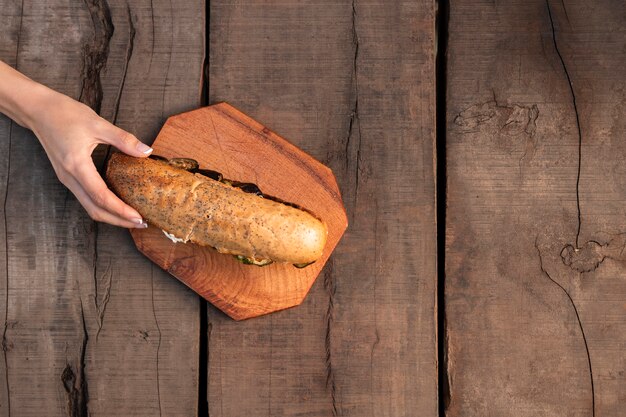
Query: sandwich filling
x=173, y=238
x=240, y=258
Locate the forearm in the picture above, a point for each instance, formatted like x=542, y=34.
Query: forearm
x=69, y=131
x=20, y=97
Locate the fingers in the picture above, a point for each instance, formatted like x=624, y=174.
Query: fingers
x=95, y=212
x=125, y=142
x=90, y=181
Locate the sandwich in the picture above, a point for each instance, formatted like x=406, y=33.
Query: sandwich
x=199, y=206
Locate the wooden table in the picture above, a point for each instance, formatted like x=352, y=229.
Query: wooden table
x=482, y=273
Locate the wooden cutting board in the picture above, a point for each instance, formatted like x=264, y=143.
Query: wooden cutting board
x=223, y=139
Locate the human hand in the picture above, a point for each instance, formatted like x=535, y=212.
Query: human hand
x=69, y=131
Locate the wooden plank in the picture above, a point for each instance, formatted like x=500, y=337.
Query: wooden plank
x=353, y=85
x=534, y=277
x=9, y=23
x=92, y=327
x=149, y=315
x=43, y=331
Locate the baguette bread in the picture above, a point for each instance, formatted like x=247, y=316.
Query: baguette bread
x=195, y=208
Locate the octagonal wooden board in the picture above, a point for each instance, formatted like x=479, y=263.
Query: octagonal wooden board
x=223, y=139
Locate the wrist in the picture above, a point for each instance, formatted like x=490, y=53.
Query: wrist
x=19, y=95
x=32, y=105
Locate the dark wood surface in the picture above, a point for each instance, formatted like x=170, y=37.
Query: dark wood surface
x=353, y=85
x=535, y=289
x=91, y=326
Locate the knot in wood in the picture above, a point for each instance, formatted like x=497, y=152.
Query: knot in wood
x=583, y=259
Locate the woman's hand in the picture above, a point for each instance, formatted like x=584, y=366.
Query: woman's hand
x=69, y=132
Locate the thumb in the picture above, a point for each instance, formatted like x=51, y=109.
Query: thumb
x=128, y=143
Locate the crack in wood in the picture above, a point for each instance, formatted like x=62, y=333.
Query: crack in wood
x=94, y=266
x=565, y=10
x=78, y=397
x=84, y=392
x=372, y=349
x=329, y=286
x=205, y=397
x=580, y=324
x=531, y=142
x=576, y=248
x=102, y=305
x=445, y=397
x=375, y=296
x=68, y=379
x=354, y=114
x=169, y=63
x=441, y=126
x=96, y=53
x=152, y=47
x=580, y=137
x=129, y=54
x=156, y=322
x=5, y=345
x=76, y=386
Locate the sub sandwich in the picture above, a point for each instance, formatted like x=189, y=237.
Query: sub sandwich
x=200, y=206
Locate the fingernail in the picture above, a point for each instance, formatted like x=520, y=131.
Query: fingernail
x=140, y=223
x=143, y=148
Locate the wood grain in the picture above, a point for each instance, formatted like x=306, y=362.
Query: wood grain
x=535, y=287
x=223, y=139
x=8, y=53
x=91, y=328
x=352, y=84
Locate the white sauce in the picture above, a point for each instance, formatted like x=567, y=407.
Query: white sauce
x=173, y=238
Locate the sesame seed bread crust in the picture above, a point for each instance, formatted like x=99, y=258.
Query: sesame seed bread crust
x=209, y=213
